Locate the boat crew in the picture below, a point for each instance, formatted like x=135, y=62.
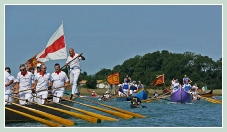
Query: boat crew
x=9, y=80
x=127, y=79
x=60, y=81
x=120, y=90
x=24, y=84
x=140, y=85
x=41, y=84
x=73, y=61
x=187, y=87
x=125, y=88
x=37, y=69
x=133, y=87
x=176, y=85
x=186, y=79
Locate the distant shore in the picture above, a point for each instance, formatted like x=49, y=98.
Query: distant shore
x=101, y=91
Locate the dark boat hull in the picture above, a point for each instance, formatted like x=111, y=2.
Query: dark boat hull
x=14, y=117
x=208, y=94
x=181, y=96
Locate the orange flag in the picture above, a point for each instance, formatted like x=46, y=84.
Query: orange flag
x=113, y=78
x=159, y=80
x=32, y=62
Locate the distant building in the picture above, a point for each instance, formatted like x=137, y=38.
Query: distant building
x=83, y=82
x=101, y=84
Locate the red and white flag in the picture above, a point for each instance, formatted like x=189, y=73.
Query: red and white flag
x=56, y=47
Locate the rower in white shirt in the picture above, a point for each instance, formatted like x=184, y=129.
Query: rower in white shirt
x=8, y=83
x=41, y=84
x=60, y=81
x=24, y=80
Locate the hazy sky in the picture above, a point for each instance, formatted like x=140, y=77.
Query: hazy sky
x=107, y=35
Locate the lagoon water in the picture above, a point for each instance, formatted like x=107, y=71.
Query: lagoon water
x=159, y=114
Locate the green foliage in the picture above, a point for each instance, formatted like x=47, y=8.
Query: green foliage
x=200, y=69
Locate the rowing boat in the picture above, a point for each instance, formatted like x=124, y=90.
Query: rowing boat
x=142, y=94
x=207, y=94
x=14, y=117
x=180, y=96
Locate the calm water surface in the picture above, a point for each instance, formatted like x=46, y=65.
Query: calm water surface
x=159, y=114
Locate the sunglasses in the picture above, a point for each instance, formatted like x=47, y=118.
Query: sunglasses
x=22, y=69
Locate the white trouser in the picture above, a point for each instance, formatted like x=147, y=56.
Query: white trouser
x=7, y=98
x=58, y=94
x=25, y=96
x=41, y=96
x=125, y=91
x=74, y=75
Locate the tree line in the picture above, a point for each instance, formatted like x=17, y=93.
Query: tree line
x=200, y=69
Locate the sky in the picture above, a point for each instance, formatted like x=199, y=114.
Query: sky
x=107, y=35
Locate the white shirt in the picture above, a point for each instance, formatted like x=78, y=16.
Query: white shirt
x=43, y=81
x=74, y=63
x=25, y=82
x=59, y=79
x=8, y=78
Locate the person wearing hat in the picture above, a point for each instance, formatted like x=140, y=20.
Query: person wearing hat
x=176, y=85
x=37, y=69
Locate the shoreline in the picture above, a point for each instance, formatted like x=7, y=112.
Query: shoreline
x=101, y=91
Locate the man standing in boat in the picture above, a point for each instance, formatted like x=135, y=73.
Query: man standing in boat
x=60, y=81
x=74, y=62
x=187, y=87
x=41, y=84
x=24, y=79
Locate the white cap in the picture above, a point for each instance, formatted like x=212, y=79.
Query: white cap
x=38, y=64
x=93, y=91
x=119, y=85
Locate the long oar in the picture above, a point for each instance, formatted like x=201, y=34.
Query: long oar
x=43, y=121
x=216, y=101
x=119, y=114
x=81, y=116
x=102, y=117
x=58, y=119
x=117, y=109
x=70, y=61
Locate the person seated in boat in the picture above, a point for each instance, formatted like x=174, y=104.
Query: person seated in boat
x=155, y=94
x=187, y=87
x=133, y=87
x=140, y=85
x=120, y=90
x=186, y=79
x=176, y=85
x=93, y=94
x=106, y=96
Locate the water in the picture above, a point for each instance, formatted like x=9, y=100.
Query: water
x=159, y=114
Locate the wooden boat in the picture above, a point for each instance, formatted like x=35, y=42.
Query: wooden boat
x=142, y=94
x=14, y=117
x=180, y=96
x=207, y=94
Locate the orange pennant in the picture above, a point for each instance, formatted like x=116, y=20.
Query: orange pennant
x=113, y=78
